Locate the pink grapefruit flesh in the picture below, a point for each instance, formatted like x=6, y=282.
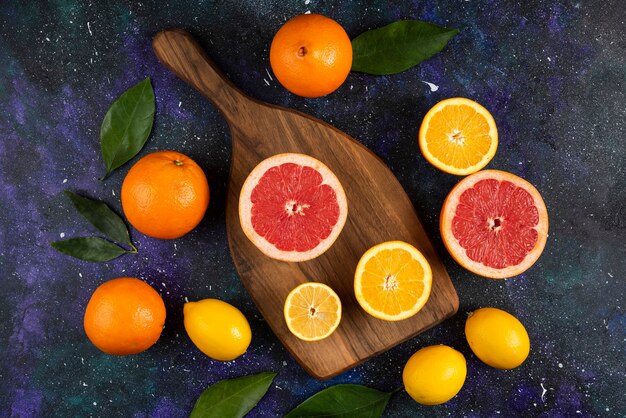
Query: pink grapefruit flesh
x=292, y=207
x=494, y=224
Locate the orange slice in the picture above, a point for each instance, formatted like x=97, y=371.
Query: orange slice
x=392, y=281
x=312, y=311
x=458, y=136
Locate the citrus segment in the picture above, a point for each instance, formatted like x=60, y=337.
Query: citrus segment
x=312, y=311
x=458, y=136
x=494, y=223
x=392, y=281
x=292, y=207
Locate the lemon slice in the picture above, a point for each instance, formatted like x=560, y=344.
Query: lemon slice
x=312, y=311
x=392, y=281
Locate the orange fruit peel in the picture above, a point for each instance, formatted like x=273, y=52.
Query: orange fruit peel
x=165, y=195
x=311, y=55
x=124, y=316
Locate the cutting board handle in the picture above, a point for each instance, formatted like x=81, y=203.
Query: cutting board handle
x=181, y=53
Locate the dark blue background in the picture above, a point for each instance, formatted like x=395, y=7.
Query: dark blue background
x=553, y=74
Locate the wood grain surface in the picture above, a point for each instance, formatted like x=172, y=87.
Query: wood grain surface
x=379, y=210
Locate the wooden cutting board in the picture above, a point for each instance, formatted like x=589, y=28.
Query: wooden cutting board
x=379, y=210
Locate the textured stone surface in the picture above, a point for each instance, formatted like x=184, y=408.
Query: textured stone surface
x=553, y=75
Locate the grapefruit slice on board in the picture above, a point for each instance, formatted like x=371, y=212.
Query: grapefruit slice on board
x=494, y=224
x=292, y=207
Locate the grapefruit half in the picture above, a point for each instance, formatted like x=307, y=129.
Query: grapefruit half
x=494, y=224
x=292, y=207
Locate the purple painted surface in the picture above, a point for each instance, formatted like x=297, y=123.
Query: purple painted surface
x=551, y=73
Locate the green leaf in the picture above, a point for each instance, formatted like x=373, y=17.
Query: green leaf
x=232, y=398
x=102, y=217
x=345, y=401
x=398, y=46
x=127, y=125
x=89, y=248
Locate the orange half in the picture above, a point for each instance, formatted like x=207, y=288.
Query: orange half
x=458, y=136
x=392, y=281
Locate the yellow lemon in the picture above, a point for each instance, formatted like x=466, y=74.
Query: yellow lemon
x=497, y=338
x=217, y=328
x=434, y=374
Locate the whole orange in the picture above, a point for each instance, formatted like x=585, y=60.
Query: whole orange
x=165, y=195
x=124, y=316
x=311, y=55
